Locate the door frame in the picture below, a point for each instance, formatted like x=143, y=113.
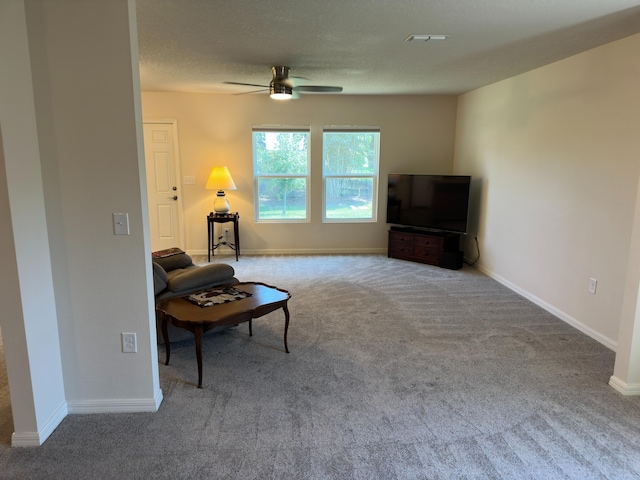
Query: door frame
x=176, y=164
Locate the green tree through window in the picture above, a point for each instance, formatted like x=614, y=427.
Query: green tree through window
x=350, y=175
x=281, y=170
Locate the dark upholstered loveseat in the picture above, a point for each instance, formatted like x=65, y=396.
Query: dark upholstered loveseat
x=175, y=275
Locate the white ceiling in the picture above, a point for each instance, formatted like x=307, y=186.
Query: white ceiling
x=195, y=45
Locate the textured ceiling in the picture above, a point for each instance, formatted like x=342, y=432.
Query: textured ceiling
x=195, y=45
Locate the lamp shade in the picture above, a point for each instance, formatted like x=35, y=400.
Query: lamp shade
x=220, y=179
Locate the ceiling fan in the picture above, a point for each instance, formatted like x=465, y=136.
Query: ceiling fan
x=282, y=86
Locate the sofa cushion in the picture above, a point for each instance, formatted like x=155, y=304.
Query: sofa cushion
x=180, y=260
x=200, y=277
x=160, y=278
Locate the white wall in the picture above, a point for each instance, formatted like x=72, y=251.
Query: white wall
x=417, y=135
x=554, y=153
x=85, y=96
x=626, y=374
x=88, y=120
x=28, y=321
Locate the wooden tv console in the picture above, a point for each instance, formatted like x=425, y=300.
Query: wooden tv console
x=433, y=248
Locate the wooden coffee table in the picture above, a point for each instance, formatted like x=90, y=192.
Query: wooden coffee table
x=198, y=320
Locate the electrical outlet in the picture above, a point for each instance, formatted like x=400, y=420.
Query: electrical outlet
x=593, y=283
x=226, y=232
x=129, y=343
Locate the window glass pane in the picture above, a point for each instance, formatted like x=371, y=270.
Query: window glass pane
x=284, y=153
x=350, y=153
x=282, y=198
x=350, y=171
x=349, y=197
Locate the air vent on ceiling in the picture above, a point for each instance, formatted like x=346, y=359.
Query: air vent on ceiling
x=426, y=38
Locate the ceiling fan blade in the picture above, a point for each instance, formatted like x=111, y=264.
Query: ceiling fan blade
x=317, y=89
x=292, y=80
x=252, y=91
x=246, y=84
x=285, y=84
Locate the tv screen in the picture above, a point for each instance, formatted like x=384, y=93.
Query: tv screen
x=431, y=202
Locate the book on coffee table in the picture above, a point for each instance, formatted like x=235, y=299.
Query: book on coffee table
x=215, y=296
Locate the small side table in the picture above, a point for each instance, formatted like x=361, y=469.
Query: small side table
x=214, y=242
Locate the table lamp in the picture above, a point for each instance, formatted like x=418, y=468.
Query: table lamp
x=220, y=179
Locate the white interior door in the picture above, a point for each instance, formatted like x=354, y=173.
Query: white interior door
x=163, y=186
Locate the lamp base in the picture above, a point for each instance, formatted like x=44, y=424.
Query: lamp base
x=221, y=204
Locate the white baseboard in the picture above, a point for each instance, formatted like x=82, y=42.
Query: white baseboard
x=624, y=388
x=607, y=342
x=296, y=251
x=116, y=405
x=35, y=439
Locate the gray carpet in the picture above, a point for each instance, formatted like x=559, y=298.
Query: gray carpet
x=397, y=370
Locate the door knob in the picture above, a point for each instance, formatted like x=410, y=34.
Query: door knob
x=175, y=197
x=174, y=188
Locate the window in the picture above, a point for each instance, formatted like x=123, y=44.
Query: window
x=350, y=175
x=281, y=173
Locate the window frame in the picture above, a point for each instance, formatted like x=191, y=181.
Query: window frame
x=257, y=177
x=375, y=176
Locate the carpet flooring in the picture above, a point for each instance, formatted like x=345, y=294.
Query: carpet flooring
x=397, y=370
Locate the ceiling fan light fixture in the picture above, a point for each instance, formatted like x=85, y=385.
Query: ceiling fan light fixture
x=282, y=87
x=278, y=91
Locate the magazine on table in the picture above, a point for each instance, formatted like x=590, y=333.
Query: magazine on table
x=216, y=296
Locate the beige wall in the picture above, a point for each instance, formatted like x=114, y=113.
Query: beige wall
x=417, y=135
x=554, y=154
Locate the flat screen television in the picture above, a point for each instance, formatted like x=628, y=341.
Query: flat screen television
x=429, y=202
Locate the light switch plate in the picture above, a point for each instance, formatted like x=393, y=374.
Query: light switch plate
x=121, y=224
x=188, y=180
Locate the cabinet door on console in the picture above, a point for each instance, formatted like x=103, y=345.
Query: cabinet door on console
x=400, y=245
x=424, y=247
x=427, y=242
x=428, y=249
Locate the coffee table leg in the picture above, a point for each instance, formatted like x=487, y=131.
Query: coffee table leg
x=250, y=329
x=165, y=337
x=198, y=333
x=286, y=326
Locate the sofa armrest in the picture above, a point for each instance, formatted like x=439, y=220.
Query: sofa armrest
x=160, y=279
x=199, y=277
